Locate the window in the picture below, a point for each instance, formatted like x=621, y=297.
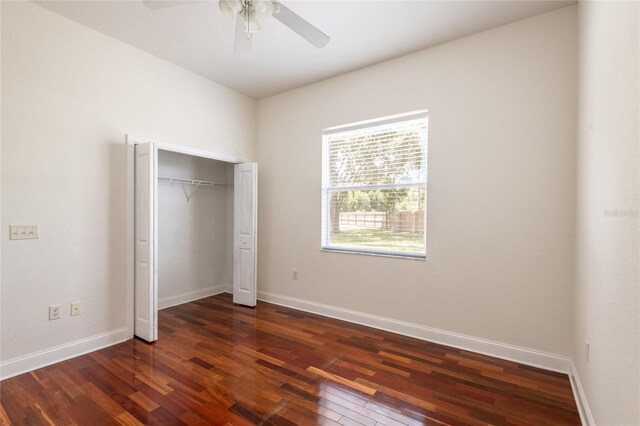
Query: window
x=374, y=186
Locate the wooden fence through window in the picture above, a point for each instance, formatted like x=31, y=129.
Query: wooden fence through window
x=396, y=221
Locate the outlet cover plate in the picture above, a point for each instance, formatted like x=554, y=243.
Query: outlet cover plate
x=75, y=308
x=54, y=312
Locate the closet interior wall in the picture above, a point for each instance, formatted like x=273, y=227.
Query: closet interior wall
x=195, y=236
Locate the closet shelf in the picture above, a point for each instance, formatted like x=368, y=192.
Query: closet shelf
x=198, y=183
x=193, y=182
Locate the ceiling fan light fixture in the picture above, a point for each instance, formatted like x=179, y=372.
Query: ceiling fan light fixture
x=263, y=8
x=231, y=8
x=248, y=15
x=253, y=24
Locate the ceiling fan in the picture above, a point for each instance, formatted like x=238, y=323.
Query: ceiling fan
x=249, y=14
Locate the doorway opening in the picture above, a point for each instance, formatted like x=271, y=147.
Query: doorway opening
x=193, y=230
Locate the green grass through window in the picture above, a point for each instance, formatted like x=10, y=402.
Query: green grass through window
x=380, y=239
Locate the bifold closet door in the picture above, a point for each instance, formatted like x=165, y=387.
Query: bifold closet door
x=245, y=218
x=146, y=289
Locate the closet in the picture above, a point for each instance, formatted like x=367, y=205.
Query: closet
x=195, y=227
x=194, y=230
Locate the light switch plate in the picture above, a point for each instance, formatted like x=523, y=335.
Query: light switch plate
x=23, y=232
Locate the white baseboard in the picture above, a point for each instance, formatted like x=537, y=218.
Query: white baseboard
x=35, y=360
x=505, y=351
x=581, y=398
x=518, y=354
x=547, y=361
x=167, y=302
x=43, y=358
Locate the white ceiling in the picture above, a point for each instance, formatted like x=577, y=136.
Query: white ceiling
x=198, y=37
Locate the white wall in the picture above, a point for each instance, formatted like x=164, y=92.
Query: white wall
x=608, y=274
x=192, y=243
x=501, y=201
x=69, y=94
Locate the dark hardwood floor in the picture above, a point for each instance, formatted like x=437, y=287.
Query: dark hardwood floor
x=216, y=364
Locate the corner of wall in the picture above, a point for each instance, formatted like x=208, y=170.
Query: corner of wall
x=581, y=398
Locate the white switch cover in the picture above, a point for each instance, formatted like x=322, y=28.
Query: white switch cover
x=23, y=232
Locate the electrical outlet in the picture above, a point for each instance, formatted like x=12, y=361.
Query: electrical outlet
x=295, y=274
x=54, y=312
x=75, y=308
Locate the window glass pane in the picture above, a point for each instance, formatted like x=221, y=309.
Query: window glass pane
x=386, y=220
x=387, y=154
x=374, y=184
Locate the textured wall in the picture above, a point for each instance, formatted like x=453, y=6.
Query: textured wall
x=69, y=95
x=501, y=201
x=608, y=275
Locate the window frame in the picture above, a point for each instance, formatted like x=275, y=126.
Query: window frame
x=327, y=188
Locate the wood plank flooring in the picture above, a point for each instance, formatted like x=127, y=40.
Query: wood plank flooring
x=216, y=364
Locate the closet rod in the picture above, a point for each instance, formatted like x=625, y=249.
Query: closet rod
x=192, y=181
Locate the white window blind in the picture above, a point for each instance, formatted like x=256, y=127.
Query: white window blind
x=374, y=186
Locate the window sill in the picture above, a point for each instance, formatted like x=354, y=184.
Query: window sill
x=421, y=257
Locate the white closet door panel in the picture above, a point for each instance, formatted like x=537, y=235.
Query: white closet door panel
x=145, y=242
x=245, y=233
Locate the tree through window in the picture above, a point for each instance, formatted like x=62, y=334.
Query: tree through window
x=374, y=186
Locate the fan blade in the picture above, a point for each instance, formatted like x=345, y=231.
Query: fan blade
x=243, y=43
x=163, y=4
x=300, y=26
